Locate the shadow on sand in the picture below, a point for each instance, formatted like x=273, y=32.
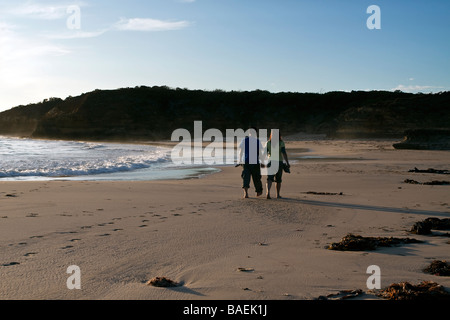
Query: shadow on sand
x=367, y=207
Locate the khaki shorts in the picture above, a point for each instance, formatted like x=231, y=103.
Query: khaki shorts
x=278, y=177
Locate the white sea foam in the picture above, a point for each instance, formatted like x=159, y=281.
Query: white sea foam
x=21, y=158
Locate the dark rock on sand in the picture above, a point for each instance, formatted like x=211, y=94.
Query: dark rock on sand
x=426, y=290
x=358, y=243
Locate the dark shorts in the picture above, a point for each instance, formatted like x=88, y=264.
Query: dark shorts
x=252, y=172
x=278, y=177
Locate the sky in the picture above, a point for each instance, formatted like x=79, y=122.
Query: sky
x=54, y=48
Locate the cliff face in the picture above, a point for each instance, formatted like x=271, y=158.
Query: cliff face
x=391, y=116
x=23, y=120
x=145, y=113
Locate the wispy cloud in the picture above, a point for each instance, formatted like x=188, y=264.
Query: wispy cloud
x=15, y=46
x=151, y=25
x=136, y=24
x=39, y=12
x=417, y=88
x=34, y=10
x=78, y=34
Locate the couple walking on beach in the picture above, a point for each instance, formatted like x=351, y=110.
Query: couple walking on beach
x=251, y=154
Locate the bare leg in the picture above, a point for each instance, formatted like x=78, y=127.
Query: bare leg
x=278, y=190
x=245, y=193
x=269, y=185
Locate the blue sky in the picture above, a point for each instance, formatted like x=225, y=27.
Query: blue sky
x=284, y=45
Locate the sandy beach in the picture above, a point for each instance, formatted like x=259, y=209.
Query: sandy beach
x=218, y=246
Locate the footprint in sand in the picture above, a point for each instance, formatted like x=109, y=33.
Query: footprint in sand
x=10, y=264
x=32, y=215
x=10, y=195
x=245, y=269
x=74, y=240
x=66, y=247
x=29, y=254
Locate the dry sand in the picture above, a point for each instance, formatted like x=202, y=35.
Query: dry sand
x=199, y=232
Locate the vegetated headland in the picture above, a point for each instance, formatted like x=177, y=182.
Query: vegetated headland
x=153, y=113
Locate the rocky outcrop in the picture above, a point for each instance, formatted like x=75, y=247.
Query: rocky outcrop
x=425, y=139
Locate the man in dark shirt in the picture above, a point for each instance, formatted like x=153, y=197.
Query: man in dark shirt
x=250, y=155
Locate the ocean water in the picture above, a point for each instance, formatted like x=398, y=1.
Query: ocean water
x=30, y=159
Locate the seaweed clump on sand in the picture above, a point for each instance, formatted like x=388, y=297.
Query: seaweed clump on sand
x=424, y=227
x=162, y=282
x=426, y=290
x=431, y=183
x=430, y=170
x=438, y=268
x=353, y=242
x=342, y=295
